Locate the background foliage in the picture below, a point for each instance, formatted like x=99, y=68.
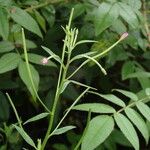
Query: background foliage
x=127, y=67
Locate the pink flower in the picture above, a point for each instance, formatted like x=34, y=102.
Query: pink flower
x=124, y=35
x=44, y=61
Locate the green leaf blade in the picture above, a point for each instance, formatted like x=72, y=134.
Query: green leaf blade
x=4, y=24
x=127, y=129
x=138, y=122
x=63, y=130
x=37, y=117
x=9, y=62
x=105, y=15
x=6, y=46
x=95, y=108
x=25, y=136
x=127, y=13
x=114, y=99
x=98, y=130
x=24, y=75
x=24, y=19
x=129, y=94
x=144, y=110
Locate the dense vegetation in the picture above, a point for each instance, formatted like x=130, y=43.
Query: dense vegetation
x=74, y=74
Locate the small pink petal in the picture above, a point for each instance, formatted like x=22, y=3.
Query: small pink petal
x=44, y=61
x=124, y=35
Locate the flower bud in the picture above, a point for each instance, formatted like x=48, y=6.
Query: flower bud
x=44, y=61
x=124, y=35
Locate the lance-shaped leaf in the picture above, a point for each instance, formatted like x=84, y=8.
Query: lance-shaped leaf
x=4, y=24
x=95, y=107
x=127, y=129
x=98, y=130
x=9, y=62
x=112, y=98
x=21, y=17
x=63, y=130
x=6, y=46
x=40, y=19
x=129, y=94
x=25, y=136
x=138, y=122
x=104, y=17
x=37, y=117
x=144, y=110
x=128, y=14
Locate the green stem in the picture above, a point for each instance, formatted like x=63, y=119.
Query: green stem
x=61, y=78
x=57, y=95
x=70, y=108
x=14, y=109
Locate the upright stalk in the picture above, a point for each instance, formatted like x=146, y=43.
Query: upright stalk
x=61, y=78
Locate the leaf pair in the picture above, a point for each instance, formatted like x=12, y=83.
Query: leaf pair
x=97, y=133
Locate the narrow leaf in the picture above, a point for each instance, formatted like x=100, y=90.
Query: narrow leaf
x=21, y=17
x=135, y=4
x=138, y=122
x=119, y=138
x=129, y=94
x=40, y=20
x=25, y=136
x=127, y=69
x=37, y=117
x=144, y=110
x=64, y=86
x=104, y=17
x=63, y=130
x=6, y=46
x=9, y=62
x=95, y=107
x=127, y=129
x=99, y=129
x=128, y=14
x=139, y=74
x=112, y=98
x=4, y=24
